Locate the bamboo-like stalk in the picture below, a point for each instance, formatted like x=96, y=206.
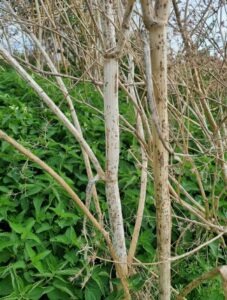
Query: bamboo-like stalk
x=155, y=19
x=111, y=114
x=150, y=94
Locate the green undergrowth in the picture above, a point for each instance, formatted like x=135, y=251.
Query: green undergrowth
x=43, y=251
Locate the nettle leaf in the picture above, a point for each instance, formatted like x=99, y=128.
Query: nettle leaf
x=4, y=145
x=6, y=286
x=44, y=227
x=136, y=282
x=17, y=227
x=39, y=211
x=19, y=265
x=29, y=224
x=60, y=211
x=64, y=287
x=17, y=282
x=132, y=181
x=68, y=272
x=189, y=185
x=29, y=251
x=116, y=295
x=67, y=222
x=5, y=241
x=71, y=257
x=101, y=278
x=44, y=275
x=35, y=293
x=60, y=239
x=39, y=266
x=33, y=189
x=69, y=238
x=5, y=255
x=5, y=200
x=40, y=256
x=31, y=236
x=56, y=294
x=68, y=167
x=81, y=177
x=92, y=291
x=71, y=235
x=4, y=189
x=214, y=247
x=145, y=240
x=25, y=231
x=56, y=193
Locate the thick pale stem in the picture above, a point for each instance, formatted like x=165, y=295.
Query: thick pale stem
x=111, y=112
x=161, y=158
x=112, y=158
x=155, y=19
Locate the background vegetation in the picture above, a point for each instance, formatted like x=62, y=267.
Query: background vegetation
x=44, y=254
x=46, y=251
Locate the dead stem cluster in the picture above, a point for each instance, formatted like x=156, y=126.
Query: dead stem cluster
x=123, y=46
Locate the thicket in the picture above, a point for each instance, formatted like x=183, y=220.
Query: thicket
x=45, y=252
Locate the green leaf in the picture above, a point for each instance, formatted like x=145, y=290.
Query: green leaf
x=60, y=239
x=4, y=189
x=101, y=278
x=33, y=189
x=6, y=286
x=29, y=251
x=146, y=240
x=5, y=146
x=116, y=295
x=5, y=244
x=31, y=236
x=214, y=248
x=55, y=294
x=17, y=227
x=19, y=265
x=132, y=181
x=63, y=288
x=5, y=256
x=71, y=235
x=68, y=272
x=136, y=282
x=40, y=256
x=92, y=291
x=44, y=227
x=35, y=293
x=56, y=193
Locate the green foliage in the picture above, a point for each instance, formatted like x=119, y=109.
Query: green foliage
x=43, y=253
x=41, y=241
